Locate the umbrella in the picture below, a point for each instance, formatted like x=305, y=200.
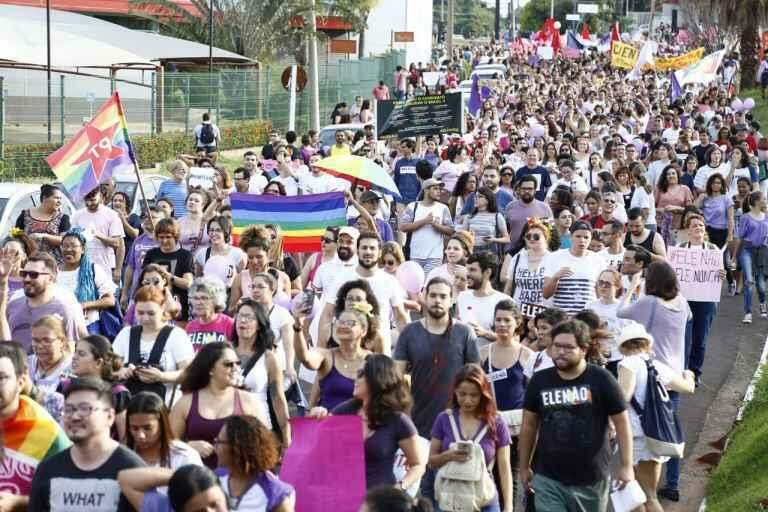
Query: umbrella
x=359, y=171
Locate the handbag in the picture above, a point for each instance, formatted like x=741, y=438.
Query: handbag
x=513, y=418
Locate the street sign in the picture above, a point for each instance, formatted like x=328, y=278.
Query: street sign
x=301, y=78
x=572, y=17
x=343, y=46
x=403, y=37
x=587, y=9
x=90, y=97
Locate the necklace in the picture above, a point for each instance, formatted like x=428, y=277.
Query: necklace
x=349, y=362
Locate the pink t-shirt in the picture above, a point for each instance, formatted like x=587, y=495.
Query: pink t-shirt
x=221, y=329
x=106, y=222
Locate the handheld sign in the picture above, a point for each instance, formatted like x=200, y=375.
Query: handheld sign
x=201, y=177
x=698, y=272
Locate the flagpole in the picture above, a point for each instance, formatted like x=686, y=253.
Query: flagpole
x=134, y=160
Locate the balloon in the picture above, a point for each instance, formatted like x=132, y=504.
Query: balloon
x=411, y=276
x=537, y=130
x=558, y=25
x=282, y=299
x=749, y=104
x=219, y=268
x=736, y=104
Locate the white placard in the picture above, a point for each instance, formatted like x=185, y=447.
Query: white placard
x=201, y=177
x=587, y=8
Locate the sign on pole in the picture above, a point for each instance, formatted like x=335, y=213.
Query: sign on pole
x=572, y=17
x=587, y=8
x=403, y=37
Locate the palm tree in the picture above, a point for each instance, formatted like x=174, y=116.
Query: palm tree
x=742, y=19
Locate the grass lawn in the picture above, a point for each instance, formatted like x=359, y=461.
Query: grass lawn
x=740, y=481
x=761, y=107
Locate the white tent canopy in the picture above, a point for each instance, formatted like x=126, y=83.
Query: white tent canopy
x=83, y=41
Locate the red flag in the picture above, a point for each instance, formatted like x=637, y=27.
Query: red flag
x=615, y=36
x=556, y=45
x=546, y=31
x=585, y=31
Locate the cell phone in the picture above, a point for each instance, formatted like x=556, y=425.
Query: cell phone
x=464, y=446
x=308, y=299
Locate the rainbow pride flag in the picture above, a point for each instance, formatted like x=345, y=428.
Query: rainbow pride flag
x=100, y=149
x=30, y=437
x=302, y=219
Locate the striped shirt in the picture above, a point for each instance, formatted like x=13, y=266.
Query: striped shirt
x=177, y=194
x=574, y=292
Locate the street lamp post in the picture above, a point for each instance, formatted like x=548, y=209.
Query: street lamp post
x=48, y=60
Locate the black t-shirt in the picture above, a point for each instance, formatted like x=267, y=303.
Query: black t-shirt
x=178, y=263
x=573, y=418
x=60, y=486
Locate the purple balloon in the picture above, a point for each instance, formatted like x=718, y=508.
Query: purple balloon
x=411, y=276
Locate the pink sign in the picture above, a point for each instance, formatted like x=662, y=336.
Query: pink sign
x=326, y=464
x=698, y=272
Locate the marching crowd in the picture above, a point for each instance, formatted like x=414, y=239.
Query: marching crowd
x=497, y=323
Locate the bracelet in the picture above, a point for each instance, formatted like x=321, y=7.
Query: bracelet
x=297, y=328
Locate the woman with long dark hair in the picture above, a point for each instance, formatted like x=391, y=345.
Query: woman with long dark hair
x=671, y=199
x=466, y=184
x=211, y=396
x=262, y=371
x=382, y=399
x=473, y=410
x=487, y=225
x=191, y=488
x=45, y=223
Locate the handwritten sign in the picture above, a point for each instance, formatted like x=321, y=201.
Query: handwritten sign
x=679, y=61
x=201, y=177
x=698, y=272
x=326, y=464
x=623, y=55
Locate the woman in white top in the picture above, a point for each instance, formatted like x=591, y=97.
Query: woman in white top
x=192, y=226
x=280, y=321
x=643, y=197
x=51, y=357
x=608, y=289
x=635, y=344
x=262, y=370
x=149, y=434
x=524, y=272
x=739, y=167
x=220, y=235
x=486, y=223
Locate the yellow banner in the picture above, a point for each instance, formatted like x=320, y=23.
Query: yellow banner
x=623, y=55
x=680, y=61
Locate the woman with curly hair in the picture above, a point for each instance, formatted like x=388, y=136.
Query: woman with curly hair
x=381, y=397
x=18, y=246
x=92, y=285
x=256, y=244
x=281, y=261
x=210, y=397
x=466, y=184
x=262, y=370
x=473, y=410
x=248, y=451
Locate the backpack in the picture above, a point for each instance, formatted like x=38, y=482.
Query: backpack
x=135, y=385
x=207, y=136
x=661, y=426
x=465, y=486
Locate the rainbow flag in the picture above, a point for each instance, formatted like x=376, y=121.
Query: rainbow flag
x=30, y=437
x=302, y=219
x=100, y=149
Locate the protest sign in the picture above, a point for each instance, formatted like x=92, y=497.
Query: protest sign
x=623, y=55
x=698, y=272
x=326, y=464
x=545, y=52
x=401, y=464
x=201, y=177
x=679, y=61
x=530, y=310
x=422, y=115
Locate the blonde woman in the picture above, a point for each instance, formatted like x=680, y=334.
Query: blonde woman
x=51, y=357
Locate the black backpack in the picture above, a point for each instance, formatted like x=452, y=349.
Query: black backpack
x=207, y=136
x=135, y=385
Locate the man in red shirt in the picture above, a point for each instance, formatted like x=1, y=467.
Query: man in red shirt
x=381, y=91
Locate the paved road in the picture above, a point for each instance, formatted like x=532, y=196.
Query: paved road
x=732, y=355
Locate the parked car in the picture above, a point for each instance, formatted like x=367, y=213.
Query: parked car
x=15, y=197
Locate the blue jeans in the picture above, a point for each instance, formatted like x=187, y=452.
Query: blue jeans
x=696, y=333
x=673, y=465
x=746, y=259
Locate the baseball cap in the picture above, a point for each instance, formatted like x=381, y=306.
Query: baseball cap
x=431, y=182
x=369, y=195
x=350, y=231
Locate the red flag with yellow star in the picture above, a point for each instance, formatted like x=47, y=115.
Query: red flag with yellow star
x=100, y=149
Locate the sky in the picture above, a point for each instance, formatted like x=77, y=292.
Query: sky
x=505, y=5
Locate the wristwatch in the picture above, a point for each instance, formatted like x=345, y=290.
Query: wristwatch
x=296, y=328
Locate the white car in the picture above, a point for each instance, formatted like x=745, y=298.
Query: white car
x=15, y=197
x=128, y=184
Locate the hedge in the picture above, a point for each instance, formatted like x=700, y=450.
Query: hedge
x=28, y=160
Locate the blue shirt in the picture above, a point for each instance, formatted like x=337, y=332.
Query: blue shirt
x=503, y=198
x=542, y=177
x=406, y=180
x=177, y=194
x=383, y=227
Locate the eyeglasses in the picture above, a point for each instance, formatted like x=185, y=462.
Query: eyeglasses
x=328, y=240
x=84, y=410
x=609, y=201
x=32, y=274
x=506, y=174
x=230, y=364
x=347, y=323
x=246, y=317
x=389, y=263
x=201, y=298
x=533, y=237
x=151, y=282
x=215, y=230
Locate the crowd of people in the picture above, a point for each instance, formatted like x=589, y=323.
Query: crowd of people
x=140, y=380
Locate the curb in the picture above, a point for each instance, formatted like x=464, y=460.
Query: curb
x=748, y=396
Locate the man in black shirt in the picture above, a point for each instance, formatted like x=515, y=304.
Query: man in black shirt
x=83, y=478
x=568, y=407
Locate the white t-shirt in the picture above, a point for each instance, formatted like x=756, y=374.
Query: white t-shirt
x=636, y=364
x=529, y=283
x=539, y=361
x=654, y=172
x=290, y=183
x=478, y=309
x=104, y=286
x=330, y=271
x=704, y=172
x=177, y=349
x=576, y=184
x=742, y=172
x=426, y=242
x=235, y=258
x=104, y=221
x=642, y=199
x=576, y=291
x=257, y=183
x=320, y=184
x=613, y=261
x=279, y=317
x=607, y=313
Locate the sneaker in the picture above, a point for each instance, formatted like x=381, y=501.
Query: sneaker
x=747, y=319
x=732, y=290
x=669, y=494
x=764, y=310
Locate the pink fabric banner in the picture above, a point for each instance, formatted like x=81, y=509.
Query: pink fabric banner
x=326, y=464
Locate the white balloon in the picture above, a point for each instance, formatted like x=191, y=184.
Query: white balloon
x=537, y=130
x=558, y=25
x=748, y=104
x=736, y=104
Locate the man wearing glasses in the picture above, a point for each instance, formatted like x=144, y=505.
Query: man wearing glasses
x=84, y=477
x=42, y=297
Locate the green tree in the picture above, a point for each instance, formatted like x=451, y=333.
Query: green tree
x=534, y=13
x=473, y=19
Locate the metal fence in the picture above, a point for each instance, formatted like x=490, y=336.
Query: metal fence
x=174, y=101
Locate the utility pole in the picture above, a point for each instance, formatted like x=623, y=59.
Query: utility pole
x=551, y=8
x=48, y=60
x=497, y=20
x=314, y=75
x=514, y=14
x=449, y=35
x=650, y=23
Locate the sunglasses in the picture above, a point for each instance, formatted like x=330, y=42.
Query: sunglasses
x=533, y=237
x=328, y=240
x=32, y=274
x=231, y=364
